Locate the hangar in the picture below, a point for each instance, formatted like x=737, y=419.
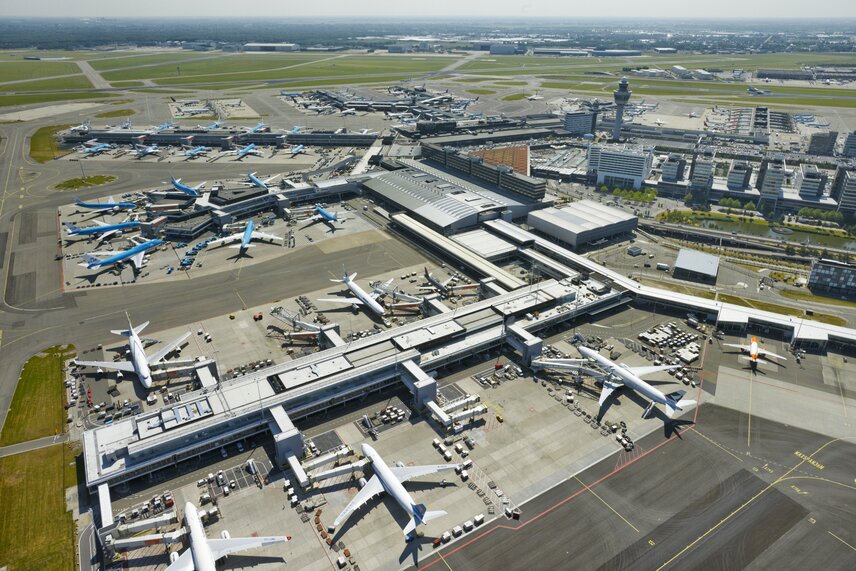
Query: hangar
x=582, y=222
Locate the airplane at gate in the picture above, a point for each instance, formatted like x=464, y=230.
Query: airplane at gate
x=135, y=255
x=361, y=297
x=390, y=479
x=102, y=230
x=754, y=351
x=111, y=204
x=248, y=235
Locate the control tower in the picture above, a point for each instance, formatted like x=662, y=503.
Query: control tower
x=622, y=96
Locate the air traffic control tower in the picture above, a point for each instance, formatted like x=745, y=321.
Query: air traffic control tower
x=622, y=96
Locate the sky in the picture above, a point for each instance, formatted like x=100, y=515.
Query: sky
x=442, y=8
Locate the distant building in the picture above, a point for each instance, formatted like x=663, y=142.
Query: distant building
x=399, y=49
x=503, y=49
x=701, y=175
x=616, y=53
x=843, y=189
x=620, y=165
x=681, y=72
x=771, y=177
x=580, y=122
x=270, y=47
x=559, y=52
x=850, y=145
x=582, y=222
x=739, y=175
x=832, y=277
x=784, y=74
x=696, y=266
x=702, y=74
x=665, y=50
x=823, y=144
x=810, y=182
x=673, y=168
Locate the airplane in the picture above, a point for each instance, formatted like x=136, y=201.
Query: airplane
x=196, y=152
x=295, y=130
x=134, y=254
x=290, y=93
x=95, y=149
x=390, y=479
x=163, y=126
x=204, y=553
x=248, y=235
x=214, y=125
x=404, y=115
x=83, y=127
x=194, y=111
x=756, y=91
x=257, y=128
x=141, y=152
x=297, y=149
x=442, y=287
x=139, y=363
x=188, y=190
x=754, y=351
x=692, y=114
x=111, y=204
x=324, y=216
x=126, y=124
x=103, y=231
x=534, y=97
x=659, y=122
x=250, y=149
x=362, y=298
x=349, y=111
x=255, y=181
x=616, y=376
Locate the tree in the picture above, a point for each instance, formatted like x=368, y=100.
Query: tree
x=688, y=197
x=749, y=206
x=604, y=188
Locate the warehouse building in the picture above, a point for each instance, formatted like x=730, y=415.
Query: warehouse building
x=833, y=277
x=696, y=266
x=582, y=222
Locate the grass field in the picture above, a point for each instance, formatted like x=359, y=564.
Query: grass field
x=107, y=63
x=116, y=113
x=74, y=82
x=212, y=66
x=515, y=97
x=511, y=82
x=808, y=296
x=37, y=407
x=36, y=531
x=481, y=91
x=75, y=183
x=43, y=145
x=782, y=309
x=19, y=70
x=31, y=98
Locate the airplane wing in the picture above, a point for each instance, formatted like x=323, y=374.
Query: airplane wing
x=372, y=488
x=184, y=562
x=107, y=234
x=642, y=371
x=608, y=388
x=267, y=237
x=116, y=365
x=736, y=346
x=409, y=472
x=226, y=240
x=137, y=259
x=766, y=353
x=223, y=547
x=350, y=300
x=166, y=349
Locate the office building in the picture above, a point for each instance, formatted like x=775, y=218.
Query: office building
x=849, y=149
x=673, y=168
x=621, y=96
x=696, y=266
x=620, y=166
x=580, y=122
x=823, y=144
x=833, y=277
x=843, y=189
x=269, y=47
x=810, y=182
x=701, y=174
x=582, y=222
x=739, y=175
x=771, y=177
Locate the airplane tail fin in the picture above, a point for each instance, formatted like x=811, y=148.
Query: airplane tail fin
x=71, y=228
x=127, y=332
x=672, y=407
x=421, y=515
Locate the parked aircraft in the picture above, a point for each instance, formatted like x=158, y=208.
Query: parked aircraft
x=297, y=149
x=295, y=130
x=250, y=149
x=753, y=350
x=164, y=126
x=322, y=215
x=659, y=122
x=290, y=93
x=102, y=230
x=361, y=297
x=204, y=553
x=188, y=190
x=194, y=110
x=214, y=125
x=615, y=376
x=534, y=97
x=142, y=151
x=93, y=148
x=258, y=128
x=83, y=127
x=248, y=235
x=443, y=287
x=110, y=204
x=756, y=91
x=196, y=152
x=257, y=182
x=139, y=363
x=349, y=111
x=135, y=254
x=390, y=479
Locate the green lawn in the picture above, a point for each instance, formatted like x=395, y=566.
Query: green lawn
x=515, y=97
x=103, y=64
x=511, y=82
x=808, y=296
x=43, y=146
x=31, y=98
x=473, y=79
x=116, y=113
x=74, y=82
x=75, y=183
x=36, y=531
x=18, y=70
x=781, y=309
x=481, y=91
x=213, y=66
x=37, y=407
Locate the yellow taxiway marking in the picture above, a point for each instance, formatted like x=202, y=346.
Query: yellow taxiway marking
x=243, y=304
x=736, y=457
x=606, y=504
x=446, y=563
x=841, y=540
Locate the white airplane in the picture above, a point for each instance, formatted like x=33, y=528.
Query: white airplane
x=616, y=376
x=204, y=553
x=349, y=111
x=83, y=127
x=442, y=287
x=362, y=298
x=248, y=235
x=389, y=480
x=535, y=97
x=754, y=351
x=139, y=362
x=659, y=122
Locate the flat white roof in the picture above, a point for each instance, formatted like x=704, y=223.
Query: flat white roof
x=697, y=262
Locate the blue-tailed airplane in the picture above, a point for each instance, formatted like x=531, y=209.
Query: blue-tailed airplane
x=196, y=152
x=135, y=255
x=297, y=149
x=257, y=182
x=214, y=125
x=257, y=128
x=111, y=204
x=141, y=152
x=322, y=215
x=94, y=148
x=290, y=93
x=163, y=126
x=244, y=238
x=296, y=129
x=102, y=230
x=240, y=153
x=188, y=190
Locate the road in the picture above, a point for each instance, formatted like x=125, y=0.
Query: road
x=33, y=444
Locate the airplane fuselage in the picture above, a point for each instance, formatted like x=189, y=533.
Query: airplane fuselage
x=107, y=205
x=247, y=237
x=390, y=483
x=102, y=229
x=257, y=181
x=203, y=559
x=138, y=358
x=361, y=294
x=121, y=256
x=627, y=378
